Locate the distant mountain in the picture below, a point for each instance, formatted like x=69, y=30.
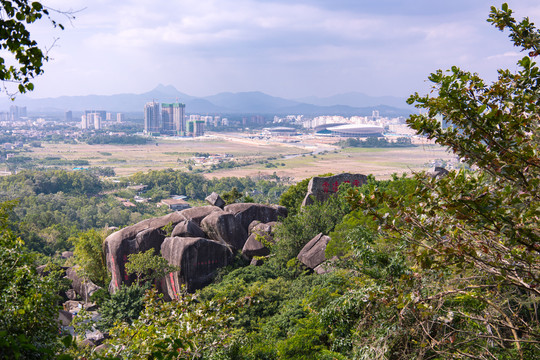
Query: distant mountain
x=255, y=102
x=356, y=99
x=222, y=103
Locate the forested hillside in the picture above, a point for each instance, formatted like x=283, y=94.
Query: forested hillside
x=422, y=267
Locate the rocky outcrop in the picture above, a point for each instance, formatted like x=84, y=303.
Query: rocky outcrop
x=320, y=188
x=215, y=200
x=187, y=228
x=204, y=239
x=248, y=212
x=258, y=231
x=198, y=260
x=196, y=214
x=140, y=237
x=83, y=287
x=225, y=228
x=312, y=254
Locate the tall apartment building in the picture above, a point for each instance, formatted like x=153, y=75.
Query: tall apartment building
x=173, y=118
x=120, y=117
x=152, y=117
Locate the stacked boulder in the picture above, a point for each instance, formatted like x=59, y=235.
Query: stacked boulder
x=203, y=239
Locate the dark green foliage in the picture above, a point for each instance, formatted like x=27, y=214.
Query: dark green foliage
x=374, y=142
x=28, y=302
x=293, y=197
x=295, y=231
x=116, y=139
x=232, y=196
x=90, y=257
x=51, y=182
x=148, y=267
x=124, y=305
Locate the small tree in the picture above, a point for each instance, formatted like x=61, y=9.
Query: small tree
x=147, y=266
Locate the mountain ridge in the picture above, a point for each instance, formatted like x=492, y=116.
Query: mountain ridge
x=353, y=103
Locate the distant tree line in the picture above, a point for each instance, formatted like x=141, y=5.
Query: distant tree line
x=374, y=142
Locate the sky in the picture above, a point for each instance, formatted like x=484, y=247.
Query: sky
x=285, y=48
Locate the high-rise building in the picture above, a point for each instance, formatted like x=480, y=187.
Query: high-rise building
x=84, y=123
x=195, y=128
x=120, y=117
x=109, y=116
x=173, y=118
x=102, y=113
x=69, y=116
x=152, y=117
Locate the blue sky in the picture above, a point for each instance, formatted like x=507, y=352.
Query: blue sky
x=288, y=48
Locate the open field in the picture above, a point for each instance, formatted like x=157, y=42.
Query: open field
x=294, y=160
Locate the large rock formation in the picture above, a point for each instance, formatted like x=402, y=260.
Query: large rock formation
x=209, y=234
x=225, y=228
x=198, y=260
x=312, y=254
x=321, y=188
x=140, y=237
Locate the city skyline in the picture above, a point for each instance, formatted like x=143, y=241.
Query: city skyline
x=290, y=49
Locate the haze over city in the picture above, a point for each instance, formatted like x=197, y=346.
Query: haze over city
x=291, y=49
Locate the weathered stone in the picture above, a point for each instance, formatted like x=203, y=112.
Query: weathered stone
x=248, y=212
x=64, y=317
x=187, y=228
x=253, y=247
x=71, y=294
x=83, y=287
x=325, y=267
x=72, y=306
x=252, y=225
x=140, y=237
x=67, y=254
x=87, y=343
x=96, y=337
x=198, y=260
x=312, y=255
x=196, y=214
x=321, y=188
x=101, y=348
x=225, y=228
x=256, y=262
x=215, y=200
x=438, y=172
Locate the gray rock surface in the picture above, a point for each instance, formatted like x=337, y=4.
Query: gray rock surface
x=83, y=287
x=253, y=247
x=320, y=188
x=64, y=317
x=196, y=214
x=312, y=254
x=198, y=260
x=215, y=200
x=225, y=228
x=187, y=228
x=248, y=212
x=133, y=239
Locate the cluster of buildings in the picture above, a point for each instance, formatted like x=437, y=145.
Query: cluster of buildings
x=93, y=119
x=15, y=113
x=170, y=119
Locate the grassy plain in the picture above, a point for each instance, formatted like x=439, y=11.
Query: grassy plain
x=297, y=161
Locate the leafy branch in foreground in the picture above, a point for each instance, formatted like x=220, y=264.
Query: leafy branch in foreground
x=473, y=236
